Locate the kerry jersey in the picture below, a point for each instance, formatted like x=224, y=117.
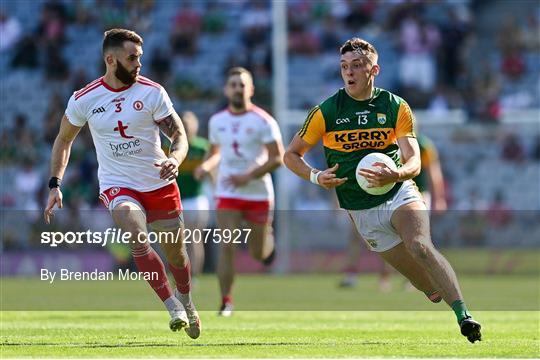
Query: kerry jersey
x=124, y=127
x=350, y=129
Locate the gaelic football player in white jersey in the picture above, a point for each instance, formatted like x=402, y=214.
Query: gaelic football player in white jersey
x=125, y=112
x=246, y=143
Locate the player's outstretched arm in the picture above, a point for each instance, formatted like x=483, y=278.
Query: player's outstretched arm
x=275, y=159
x=59, y=160
x=294, y=160
x=173, y=128
x=210, y=162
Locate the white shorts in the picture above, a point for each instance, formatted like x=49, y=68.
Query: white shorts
x=199, y=202
x=375, y=224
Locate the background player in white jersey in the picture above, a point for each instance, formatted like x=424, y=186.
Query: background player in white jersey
x=246, y=143
x=125, y=112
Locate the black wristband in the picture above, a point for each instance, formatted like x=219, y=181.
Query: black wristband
x=54, y=182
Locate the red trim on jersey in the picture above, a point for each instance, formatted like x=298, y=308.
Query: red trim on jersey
x=238, y=113
x=108, y=87
x=147, y=81
x=262, y=113
x=142, y=82
x=88, y=85
x=86, y=90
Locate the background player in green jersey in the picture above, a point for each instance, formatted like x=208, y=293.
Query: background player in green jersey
x=430, y=183
x=194, y=202
x=357, y=120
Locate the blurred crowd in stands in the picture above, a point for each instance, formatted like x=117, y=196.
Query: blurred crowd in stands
x=482, y=57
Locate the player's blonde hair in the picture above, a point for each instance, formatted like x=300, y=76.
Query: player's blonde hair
x=238, y=70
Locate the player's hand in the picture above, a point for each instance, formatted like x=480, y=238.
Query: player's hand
x=439, y=205
x=169, y=169
x=381, y=177
x=328, y=180
x=200, y=172
x=238, y=180
x=55, y=198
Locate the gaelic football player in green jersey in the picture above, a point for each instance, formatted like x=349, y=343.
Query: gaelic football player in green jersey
x=430, y=182
x=357, y=120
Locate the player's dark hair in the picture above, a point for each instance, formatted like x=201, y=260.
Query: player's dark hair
x=115, y=38
x=238, y=70
x=357, y=45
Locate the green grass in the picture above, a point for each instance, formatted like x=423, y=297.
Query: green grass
x=278, y=292
x=397, y=331
x=267, y=335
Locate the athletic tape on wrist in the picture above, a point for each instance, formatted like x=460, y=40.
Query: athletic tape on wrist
x=314, y=176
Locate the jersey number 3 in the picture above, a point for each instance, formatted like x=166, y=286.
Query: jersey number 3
x=118, y=107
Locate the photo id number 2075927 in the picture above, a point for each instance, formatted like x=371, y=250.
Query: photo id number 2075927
x=234, y=236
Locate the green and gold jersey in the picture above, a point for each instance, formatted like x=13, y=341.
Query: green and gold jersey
x=189, y=186
x=428, y=154
x=350, y=129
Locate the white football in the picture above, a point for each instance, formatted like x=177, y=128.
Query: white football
x=367, y=163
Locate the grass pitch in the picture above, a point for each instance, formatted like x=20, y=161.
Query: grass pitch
x=282, y=333
x=267, y=335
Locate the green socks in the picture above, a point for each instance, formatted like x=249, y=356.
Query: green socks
x=460, y=309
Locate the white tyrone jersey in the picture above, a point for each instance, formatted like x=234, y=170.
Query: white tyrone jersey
x=123, y=123
x=242, y=139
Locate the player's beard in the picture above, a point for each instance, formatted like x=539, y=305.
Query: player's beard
x=238, y=102
x=124, y=75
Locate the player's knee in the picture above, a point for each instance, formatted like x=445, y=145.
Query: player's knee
x=419, y=248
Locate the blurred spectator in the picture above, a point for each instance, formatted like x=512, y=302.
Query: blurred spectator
x=417, y=71
x=484, y=94
x=8, y=150
x=255, y=24
x=186, y=29
x=359, y=14
x=454, y=45
x=56, y=66
x=138, y=14
x=472, y=201
x=160, y=65
x=10, y=31
x=302, y=41
x=26, y=53
x=536, y=149
x=531, y=38
x=111, y=14
x=499, y=213
x=512, y=149
x=214, y=19
x=513, y=64
x=510, y=36
x=82, y=14
x=51, y=29
x=27, y=182
x=329, y=38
